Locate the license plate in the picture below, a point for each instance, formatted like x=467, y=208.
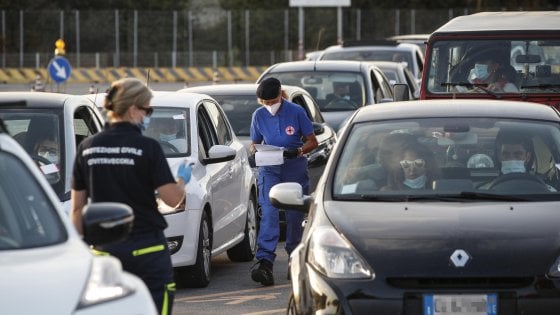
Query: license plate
x=463, y=304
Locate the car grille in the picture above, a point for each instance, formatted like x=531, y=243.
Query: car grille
x=463, y=283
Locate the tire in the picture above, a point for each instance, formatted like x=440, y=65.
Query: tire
x=245, y=251
x=198, y=275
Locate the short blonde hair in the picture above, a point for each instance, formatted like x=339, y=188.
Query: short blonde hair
x=125, y=93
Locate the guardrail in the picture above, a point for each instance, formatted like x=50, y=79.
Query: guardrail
x=102, y=75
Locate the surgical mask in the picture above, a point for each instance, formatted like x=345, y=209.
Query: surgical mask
x=480, y=71
x=416, y=183
x=52, y=157
x=167, y=138
x=145, y=123
x=513, y=166
x=273, y=109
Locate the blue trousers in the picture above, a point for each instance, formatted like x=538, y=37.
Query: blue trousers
x=293, y=170
x=147, y=256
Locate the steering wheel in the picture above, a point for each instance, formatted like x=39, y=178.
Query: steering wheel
x=40, y=160
x=519, y=182
x=168, y=147
x=341, y=103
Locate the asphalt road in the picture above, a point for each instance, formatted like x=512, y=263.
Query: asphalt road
x=231, y=290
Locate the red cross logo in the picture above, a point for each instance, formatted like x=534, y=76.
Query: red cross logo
x=290, y=130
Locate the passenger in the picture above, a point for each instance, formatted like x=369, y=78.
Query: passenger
x=341, y=91
x=48, y=148
x=418, y=169
x=166, y=130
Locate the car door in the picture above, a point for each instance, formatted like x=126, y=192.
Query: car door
x=228, y=176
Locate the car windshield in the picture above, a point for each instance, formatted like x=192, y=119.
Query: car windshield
x=171, y=128
x=239, y=110
x=333, y=90
x=464, y=158
x=40, y=133
x=27, y=218
x=516, y=66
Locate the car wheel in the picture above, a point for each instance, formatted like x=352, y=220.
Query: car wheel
x=245, y=251
x=198, y=275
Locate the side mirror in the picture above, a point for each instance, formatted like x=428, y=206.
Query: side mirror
x=218, y=154
x=106, y=222
x=401, y=92
x=289, y=196
x=318, y=128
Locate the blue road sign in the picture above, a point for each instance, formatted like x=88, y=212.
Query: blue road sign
x=59, y=69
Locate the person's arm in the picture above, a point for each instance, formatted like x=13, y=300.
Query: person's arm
x=309, y=144
x=173, y=194
x=78, y=200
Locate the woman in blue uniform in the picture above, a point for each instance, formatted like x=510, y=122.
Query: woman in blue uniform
x=119, y=164
x=284, y=124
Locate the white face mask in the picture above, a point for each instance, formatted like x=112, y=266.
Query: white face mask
x=513, y=166
x=480, y=71
x=273, y=109
x=167, y=138
x=52, y=157
x=416, y=183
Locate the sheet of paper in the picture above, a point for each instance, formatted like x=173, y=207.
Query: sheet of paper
x=271, y=157
x=349, y=189
x=267, y=147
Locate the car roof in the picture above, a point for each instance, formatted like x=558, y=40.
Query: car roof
x=320, y=65
x=503, y=21
x=396, y=47
x=35, y=99
x=457, y=108
x=176, y=99
x=235, y=89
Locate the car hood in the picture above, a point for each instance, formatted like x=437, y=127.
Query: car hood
x=335, y=119
x=418, y=239
x=46, y=280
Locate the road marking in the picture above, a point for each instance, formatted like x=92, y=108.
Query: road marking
x=198, y=298
x=277, y=311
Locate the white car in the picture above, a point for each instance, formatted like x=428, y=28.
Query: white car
x=46, y=267
x=220, y=210
x=65, y=119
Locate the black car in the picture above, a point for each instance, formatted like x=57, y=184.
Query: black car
x=433, y=207
x=239, y=101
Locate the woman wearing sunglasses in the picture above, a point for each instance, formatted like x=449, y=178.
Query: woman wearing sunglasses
x=418, y=169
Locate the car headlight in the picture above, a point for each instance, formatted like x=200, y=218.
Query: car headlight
x=105, y=282
x=554, y=271
x=332, y=255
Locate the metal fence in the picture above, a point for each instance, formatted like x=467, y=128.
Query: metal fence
x=205, y=37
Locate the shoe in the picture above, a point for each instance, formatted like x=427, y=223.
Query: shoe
x=263, y=273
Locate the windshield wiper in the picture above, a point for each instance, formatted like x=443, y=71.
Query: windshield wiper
x=452, y=197
x=481, y=86
x=554, y=87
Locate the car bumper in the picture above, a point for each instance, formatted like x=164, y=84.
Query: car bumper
x=314, y=293
x=183, y=227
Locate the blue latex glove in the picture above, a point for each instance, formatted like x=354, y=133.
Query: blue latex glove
x=185, y=171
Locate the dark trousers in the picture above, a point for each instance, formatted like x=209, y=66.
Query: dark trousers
x=146, y=255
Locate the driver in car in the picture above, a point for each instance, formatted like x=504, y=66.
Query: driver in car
x=515, y=154
x=166, y=130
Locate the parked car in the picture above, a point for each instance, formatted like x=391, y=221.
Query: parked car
x=46, y=266
x=396, y=72
x=480, y=237
x=366, y=85
x=239, y=101
x=410, y=55
x=416, y=39
x=524, y=48
x=220, y=212
x=62, y=120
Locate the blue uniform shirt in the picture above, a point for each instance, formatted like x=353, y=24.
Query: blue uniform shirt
x=285, y=129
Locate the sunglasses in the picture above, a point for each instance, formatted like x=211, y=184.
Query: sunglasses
x=148, y=110
x=418, y=163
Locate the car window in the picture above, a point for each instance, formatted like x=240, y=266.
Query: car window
x=450, y=155
x=384, y=89
x=313, y=109
x=40, y=132
x=27, y=217
x=171, y=128
x=239, y=110
x=85, y=123
x=219, y=122
x=206, y=132
x=325, y=83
